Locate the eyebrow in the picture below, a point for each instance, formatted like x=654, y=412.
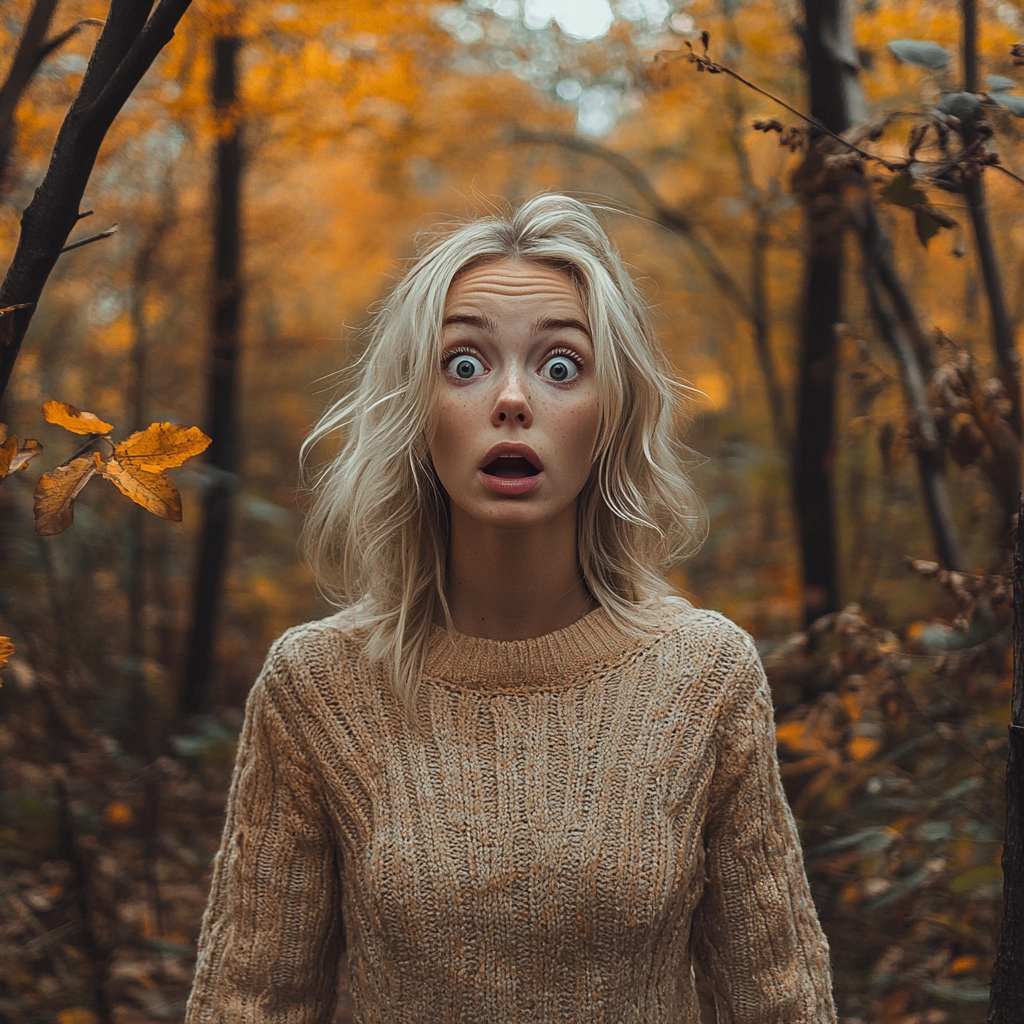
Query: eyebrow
x=562, y=323
x=485, y=323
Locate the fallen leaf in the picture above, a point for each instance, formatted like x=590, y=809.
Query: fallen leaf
x=77, y=1015
x=6, y=649
x=55, y=494
x=160, y=446
x=75, y=420
x=155, y=492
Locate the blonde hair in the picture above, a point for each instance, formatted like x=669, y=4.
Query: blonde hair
x=376, y=534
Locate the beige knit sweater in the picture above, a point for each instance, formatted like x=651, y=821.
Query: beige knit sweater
x=592, y=814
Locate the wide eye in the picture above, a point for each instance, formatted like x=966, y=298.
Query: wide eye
x=466, y=367
x=560, y=369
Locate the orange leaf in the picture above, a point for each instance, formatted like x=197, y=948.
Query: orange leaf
x=55, y=495
x=860, y=748
x=6, y=649
x=160, y=446
x=155, y=492
x=75, y=420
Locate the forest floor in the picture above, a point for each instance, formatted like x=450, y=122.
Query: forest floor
x=892, y=757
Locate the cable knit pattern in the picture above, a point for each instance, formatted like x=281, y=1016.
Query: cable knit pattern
x=591, y=814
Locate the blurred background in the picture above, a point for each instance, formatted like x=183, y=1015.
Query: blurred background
x=855, y=420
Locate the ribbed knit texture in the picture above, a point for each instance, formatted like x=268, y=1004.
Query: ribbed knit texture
x=592, y=813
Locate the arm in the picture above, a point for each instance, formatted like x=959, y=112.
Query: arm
x=271, y=934
x=755, y=932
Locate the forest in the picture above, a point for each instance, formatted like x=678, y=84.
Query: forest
x=202, y=203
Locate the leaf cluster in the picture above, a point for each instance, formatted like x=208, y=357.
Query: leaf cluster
x=135, y=466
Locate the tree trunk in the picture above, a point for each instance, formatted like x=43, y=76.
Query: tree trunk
x=221, y=416
x=974, y=190
x=836, y=101
x=1007, y=996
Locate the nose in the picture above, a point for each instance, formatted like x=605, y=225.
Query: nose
x=512, y=403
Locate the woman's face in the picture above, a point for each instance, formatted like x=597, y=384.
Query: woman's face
x=517, y=410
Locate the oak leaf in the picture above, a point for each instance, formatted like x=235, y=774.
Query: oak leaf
x=78, y=422
x=160, y=446
x=6, y=649
x=155, y=492
x=55, y=494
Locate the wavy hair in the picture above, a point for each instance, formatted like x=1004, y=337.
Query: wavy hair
x=376, y=534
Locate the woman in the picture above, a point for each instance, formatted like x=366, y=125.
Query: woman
x=513, y=775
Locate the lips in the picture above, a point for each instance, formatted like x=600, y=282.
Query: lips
x=508, y=461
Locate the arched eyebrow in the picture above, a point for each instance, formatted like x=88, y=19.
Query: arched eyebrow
x=484, y=323
x=562, y=323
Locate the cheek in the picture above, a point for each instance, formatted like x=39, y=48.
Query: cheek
x=450, y=430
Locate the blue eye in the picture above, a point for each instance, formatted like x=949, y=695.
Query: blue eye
x=466, y=367
x=560, y=369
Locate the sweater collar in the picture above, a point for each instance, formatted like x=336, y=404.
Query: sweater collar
x=546, y=662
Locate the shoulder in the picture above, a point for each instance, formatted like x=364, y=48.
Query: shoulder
x=676, y=623
x=314, y=656
x=704, y=651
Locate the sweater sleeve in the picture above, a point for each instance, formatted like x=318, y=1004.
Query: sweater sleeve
x=271, y=936
x=755, y=931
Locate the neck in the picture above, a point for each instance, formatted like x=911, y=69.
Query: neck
x=515, y=584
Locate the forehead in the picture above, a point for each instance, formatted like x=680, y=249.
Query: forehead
x=513, y=283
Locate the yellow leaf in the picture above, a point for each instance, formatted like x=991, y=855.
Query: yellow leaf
x=75, y=420
x=160, y=446
x=155, y=492
x=29, y=450
x=7, y=452
x=55, y=495
x=6, y=649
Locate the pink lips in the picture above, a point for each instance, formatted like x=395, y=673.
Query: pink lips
x=511, y=469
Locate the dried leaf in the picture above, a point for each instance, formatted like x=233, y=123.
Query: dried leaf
x=75, y=420
x=29, y=450
x=902, y=191
x=155, y=492
x=55, y=494
x=6, y=650
x=160, y=446
x=8, y=450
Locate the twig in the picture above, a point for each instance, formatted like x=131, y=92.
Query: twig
x=706, y=64
x=85, y=213
x=92, y=238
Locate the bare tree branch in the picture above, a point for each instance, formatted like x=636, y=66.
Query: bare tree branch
x=127, y=47
x=92, y=238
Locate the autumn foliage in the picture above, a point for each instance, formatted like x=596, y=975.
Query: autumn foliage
x=363, y=124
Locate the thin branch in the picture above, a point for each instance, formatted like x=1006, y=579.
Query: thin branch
x=714, y=68
x=92, y=238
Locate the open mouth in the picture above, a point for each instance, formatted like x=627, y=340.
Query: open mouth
x=510, y=467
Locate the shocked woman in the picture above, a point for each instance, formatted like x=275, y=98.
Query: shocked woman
x=513, y=775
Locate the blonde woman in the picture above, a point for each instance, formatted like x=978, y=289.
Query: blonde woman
x=517, y=779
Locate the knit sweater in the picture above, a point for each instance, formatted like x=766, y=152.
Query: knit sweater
x=591, y=814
